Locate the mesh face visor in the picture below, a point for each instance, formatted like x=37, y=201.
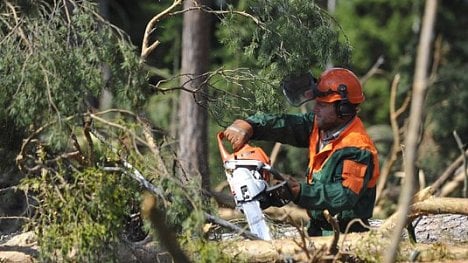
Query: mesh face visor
x=299, y=90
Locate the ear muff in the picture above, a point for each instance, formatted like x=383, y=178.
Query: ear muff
x=343, y=107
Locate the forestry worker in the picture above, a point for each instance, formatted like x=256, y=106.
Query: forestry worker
x=343, y=166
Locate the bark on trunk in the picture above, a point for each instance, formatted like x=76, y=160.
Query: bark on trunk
x=193, y=117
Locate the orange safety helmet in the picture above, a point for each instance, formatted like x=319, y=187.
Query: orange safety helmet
x=339, y=84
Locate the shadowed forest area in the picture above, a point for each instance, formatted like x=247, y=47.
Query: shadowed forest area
x=112, y=109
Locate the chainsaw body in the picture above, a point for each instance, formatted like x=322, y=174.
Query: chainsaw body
x=247, y=174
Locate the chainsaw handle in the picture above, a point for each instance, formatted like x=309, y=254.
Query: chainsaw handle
x=277, y=175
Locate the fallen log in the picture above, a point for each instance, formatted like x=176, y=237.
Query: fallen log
x=356, y=248
x=433, y=205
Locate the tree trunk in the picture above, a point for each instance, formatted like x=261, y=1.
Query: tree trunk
x=193, y=116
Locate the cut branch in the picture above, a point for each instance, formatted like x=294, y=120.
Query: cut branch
x=146, y=47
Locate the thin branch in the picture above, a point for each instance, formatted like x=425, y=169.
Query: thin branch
x=21, y=154
x=419, y=90
x=216, y=220
x=21, y=33
x=87, y=122
x=113, y=124
x=10, y=188
x=333, y=248
x=396, y=140
x=462, y=149
x=147, y=48
x=221, y=12
x=152, y=146
x=451, y=186
x=373, y=70
x=449, y=171
x=15, y=218
x=303, y=244
x=274, y=152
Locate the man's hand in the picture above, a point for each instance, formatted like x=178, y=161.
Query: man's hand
x=281, y=194
x=238, y=134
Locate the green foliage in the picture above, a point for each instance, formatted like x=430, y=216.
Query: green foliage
x=242, y=92
x=376, y=107
x=292, y=35
x=277, y=39
x=83, y=200
x=380, y=28
x=387, y=29
x=54, y=58
x=81, y=213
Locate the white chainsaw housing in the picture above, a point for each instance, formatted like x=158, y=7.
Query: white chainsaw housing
x=246, y=183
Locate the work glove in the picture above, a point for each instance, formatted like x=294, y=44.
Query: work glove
x=281, y=194
x=238, y=134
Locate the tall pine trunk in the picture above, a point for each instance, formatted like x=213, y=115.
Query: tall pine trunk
x=193, y=117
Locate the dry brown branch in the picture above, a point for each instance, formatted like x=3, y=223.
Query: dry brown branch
x=274, y=152
x=20, y=158
x=221, y=12
x=115, y=125
x=157, y=217
x=146, y=47
x=411, y=141
x=373, y=70
x=396, y=146
x=451, y=186
x=87, y=122
x=462, y=149
x=153, y=147
x=333, y=247
x=436, y=58
x=396, y=140
x=17, y=27
x=448, y=173
x=303, y=241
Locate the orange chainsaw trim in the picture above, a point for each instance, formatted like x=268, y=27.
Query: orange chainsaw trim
x=247, y=152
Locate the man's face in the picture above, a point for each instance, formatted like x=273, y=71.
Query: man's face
x=325, y=116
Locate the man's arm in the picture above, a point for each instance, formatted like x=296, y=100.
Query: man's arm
x=292, y=129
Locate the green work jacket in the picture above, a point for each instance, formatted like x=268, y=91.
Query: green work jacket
x=341, y=177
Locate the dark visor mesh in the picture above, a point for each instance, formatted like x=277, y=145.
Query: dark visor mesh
x=299, y=89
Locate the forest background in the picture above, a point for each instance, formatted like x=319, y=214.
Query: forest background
x=58, y=74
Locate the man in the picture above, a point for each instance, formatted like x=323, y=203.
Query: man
x=343, y=164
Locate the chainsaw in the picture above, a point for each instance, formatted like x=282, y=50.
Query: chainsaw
x=248, y=172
